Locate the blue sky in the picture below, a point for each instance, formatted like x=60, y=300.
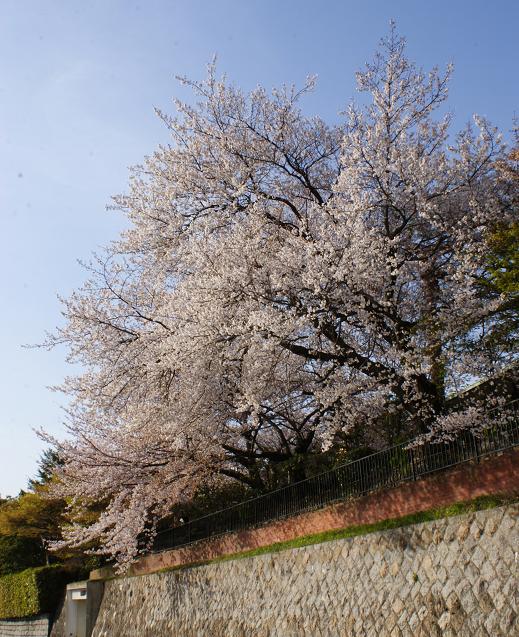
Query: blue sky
x=78, y=83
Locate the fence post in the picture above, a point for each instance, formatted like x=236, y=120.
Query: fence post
x=476, y=446
x=411, y=452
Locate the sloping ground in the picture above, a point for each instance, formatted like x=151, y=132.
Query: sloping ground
x=452, y=577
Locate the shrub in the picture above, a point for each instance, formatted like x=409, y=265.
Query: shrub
x=33, y=591
x=18, y=553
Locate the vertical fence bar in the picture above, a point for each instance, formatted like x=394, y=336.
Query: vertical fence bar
x=413, y=468
x=476, y=447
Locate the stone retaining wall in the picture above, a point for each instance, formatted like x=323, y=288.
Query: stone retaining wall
x=456, y=577
x=29, y=627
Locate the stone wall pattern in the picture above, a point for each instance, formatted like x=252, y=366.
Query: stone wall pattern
x=454, y=577
x=30, y=627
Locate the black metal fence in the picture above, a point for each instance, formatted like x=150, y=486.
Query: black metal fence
x=383, y=469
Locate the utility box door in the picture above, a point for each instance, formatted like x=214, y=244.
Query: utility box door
x=76, y=611
x=83, y=601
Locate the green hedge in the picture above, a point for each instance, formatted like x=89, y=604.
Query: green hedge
x=18, y=553
x=33, y=591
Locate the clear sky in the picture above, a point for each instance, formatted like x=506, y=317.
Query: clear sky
x=78, y=83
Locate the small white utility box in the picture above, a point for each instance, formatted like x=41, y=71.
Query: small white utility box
x=82, y=605
x=79, y=594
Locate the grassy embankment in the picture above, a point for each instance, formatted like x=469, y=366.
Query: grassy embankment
x=478, y=504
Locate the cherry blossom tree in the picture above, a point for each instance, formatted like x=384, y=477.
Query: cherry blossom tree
x=283, y=284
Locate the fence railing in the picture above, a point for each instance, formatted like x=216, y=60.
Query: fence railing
x=379, y=470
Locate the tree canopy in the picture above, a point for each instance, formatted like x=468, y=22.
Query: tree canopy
x=285, y=286
x=35, y=518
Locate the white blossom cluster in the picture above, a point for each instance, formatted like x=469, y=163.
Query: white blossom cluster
x=281, y=284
